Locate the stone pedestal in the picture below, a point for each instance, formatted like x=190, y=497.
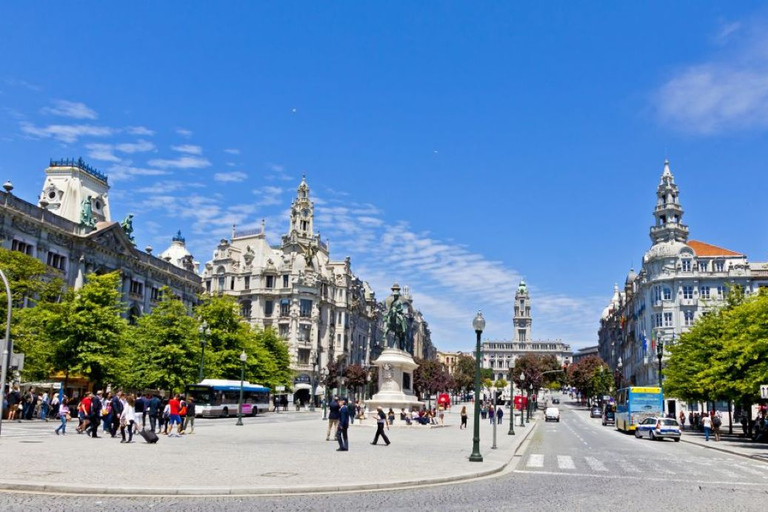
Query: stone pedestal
x=395, y=382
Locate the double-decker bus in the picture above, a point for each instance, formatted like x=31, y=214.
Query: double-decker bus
x=634, y=404
x=219, y=398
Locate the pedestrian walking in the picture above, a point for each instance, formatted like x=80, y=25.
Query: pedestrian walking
x=95, y=417
x=84, y=414
x=381, y=420
x=127, y=419
x=463, y=417
x=116, y=405
x=333, y=418
x=492, y=414
x=189, y=420
x=499, y=414
x=153, y=411
x=174, y=407
x=682, y=420
x=45, y=406
x=391, y=416
x=706, y=422
x=139, y=408
x=717, y=420
x=63, y=416
x=14, y=399
x=483, y=411
x=341, y=431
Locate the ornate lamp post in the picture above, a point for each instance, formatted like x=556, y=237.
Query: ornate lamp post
x=324, y=375
x=478, y=324
x=314, y=383
x=522, y=394
x=204, y=331
x=619, y=375
x=243, y=359
x=528, y=407
x=659, y=355
x=512, y=408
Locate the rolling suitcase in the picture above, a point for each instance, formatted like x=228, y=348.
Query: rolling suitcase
x=148, y=436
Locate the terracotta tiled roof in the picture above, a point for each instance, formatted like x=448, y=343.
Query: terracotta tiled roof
x=705, y=249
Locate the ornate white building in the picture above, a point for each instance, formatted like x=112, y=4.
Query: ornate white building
x=316, y=304
x=679, y=281
x=71, y=230
x=500, y=356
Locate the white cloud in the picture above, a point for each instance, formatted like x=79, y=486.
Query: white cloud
x=168, y=186
x=125, y=171
x=726, y=31
x=139, y=130
x=72, y=109
x=268, y=196
x=140, y=146
x=184, y=132
x=232, y=151
x=277, y=172
x=235, y=176
x=13, y=82
x=106, y=152
x=184, y=162
x=729, y=92
x=66, y=133
x=188, y=148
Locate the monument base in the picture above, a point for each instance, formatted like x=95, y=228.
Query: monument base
x=395, y=382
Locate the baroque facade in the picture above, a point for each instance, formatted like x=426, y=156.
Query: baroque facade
x=322, y=310
x=500, y=356
x=70, y=229
x=680, y=280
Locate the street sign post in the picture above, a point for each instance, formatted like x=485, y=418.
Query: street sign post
x=764, y=391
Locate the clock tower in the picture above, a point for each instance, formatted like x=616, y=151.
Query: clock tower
x=302, y=213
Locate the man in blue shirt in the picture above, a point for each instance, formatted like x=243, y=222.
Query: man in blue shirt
x=341, y=432
x=154, y=408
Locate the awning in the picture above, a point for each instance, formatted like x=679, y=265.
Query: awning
x=297, y=387
x=319, y=390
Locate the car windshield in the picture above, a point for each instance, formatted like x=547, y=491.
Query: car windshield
x=669, y=423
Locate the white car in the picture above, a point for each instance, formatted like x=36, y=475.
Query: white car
x=552, y=413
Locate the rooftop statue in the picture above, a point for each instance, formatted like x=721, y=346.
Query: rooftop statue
x=127, y=226
x=86, y=212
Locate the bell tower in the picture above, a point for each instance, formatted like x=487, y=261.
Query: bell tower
x=302, y=213
x=668, y=212
x=76, y=191
x=522, y=320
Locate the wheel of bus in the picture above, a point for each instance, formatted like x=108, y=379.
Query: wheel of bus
x=225, y=413
x=254, y=411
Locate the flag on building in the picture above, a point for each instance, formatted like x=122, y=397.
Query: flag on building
x=653, y=341
x=645, y=342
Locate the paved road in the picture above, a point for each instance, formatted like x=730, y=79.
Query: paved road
x=573, y=465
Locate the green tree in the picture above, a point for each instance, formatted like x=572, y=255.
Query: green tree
x=164, y=350
x=355, y=376
x=89, y=330
x=430, y=377
x=464, y=373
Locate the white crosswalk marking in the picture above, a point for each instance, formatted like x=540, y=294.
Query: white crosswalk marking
x=751, y=471
x=595, y=464
x=657, y=469
x=627, y=466
x=535, y=461
x=726, y=472
x=565, y=462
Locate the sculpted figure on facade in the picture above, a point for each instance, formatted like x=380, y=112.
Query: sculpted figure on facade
x=86, y=212
x=248, y=256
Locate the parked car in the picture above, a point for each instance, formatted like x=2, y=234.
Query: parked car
x=609, y=417
x=595, y=412
x=552, y=413
x=658, y=429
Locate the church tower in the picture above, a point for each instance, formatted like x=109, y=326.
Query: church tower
x=76, y=191
x=668, y=212
x=522, y=320
x=302, y=213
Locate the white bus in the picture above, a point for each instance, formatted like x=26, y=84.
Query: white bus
x=219, y=398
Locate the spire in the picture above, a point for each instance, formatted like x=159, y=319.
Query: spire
x=668, y=212
x=178, y=237
x=302, y=212
x=522, y=320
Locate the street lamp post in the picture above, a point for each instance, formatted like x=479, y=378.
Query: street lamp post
x=204, y=331
x=314, y=384
x=619, y=366
x=478, y=324
x=324, y=374
x=512, y=405
x=243, y=359
x=7, y=341
x=659, y=355
x=522, y=394
x=528, y=408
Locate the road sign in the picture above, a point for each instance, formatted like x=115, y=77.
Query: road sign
x=764, y=391
x=279, y=388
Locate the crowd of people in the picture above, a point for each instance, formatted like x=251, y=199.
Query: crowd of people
x=109, y=412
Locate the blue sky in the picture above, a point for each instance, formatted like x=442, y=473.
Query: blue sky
x=454, y=147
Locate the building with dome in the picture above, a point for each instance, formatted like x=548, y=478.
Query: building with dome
x=500, y=355
x=323, y=310
x=680, y=280
x=70, y=229
x=178, y=254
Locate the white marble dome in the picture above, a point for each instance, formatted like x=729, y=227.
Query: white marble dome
x=665, y=250
x=177, y=254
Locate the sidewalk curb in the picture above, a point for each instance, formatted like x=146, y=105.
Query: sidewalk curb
x=254, y=491
x=724, y=450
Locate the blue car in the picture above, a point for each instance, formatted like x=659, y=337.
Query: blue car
x=658, y=429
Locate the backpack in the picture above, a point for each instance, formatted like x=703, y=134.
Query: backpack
x=716, y=421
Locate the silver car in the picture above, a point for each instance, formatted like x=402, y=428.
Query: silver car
x=658, y=429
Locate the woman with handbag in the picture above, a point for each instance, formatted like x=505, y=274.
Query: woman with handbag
x=63, y=416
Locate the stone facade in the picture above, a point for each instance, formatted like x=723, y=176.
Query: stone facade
x=500, y=356
x=56, y=232
x=679, y=281
x=316, y=304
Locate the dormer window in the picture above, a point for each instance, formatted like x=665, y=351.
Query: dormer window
x=719, y=266
x=686, y=265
